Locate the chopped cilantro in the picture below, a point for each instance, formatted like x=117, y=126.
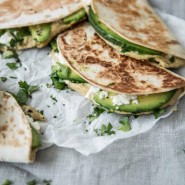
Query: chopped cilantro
x=47, y=182
x=158, y=113
x=24, y=92
x=53, y=98
x=41, y=111
x=105, y=130
x=48, y=85
x=172, y=59
x=14, y=77
x=13, y=65
x=3, y=79
x=125, y=125
x=95, y=114
x=32, y=182
x=54, y=116
x=2, y=32
x=6, y=182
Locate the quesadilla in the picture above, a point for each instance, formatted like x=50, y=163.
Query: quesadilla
x=134, y=29
x=19, y=133
x=116, y=83
x=27, y=24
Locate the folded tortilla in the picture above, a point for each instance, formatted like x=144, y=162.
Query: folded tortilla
x=15, y=132
x=100, y=66
x=117, y=83
x=51, y=16
x=137, y=23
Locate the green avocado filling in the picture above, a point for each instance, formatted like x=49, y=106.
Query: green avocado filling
x=36, y=141
x=39, y=33
x=145, y=103
x=115, y=39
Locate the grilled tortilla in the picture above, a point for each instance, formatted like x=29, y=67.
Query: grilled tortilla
x=133, y=28
x=34, y=24
x=96, y=70
x=19, y=140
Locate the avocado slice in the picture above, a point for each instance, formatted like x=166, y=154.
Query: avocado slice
x=40, y=33
x=75, y=17
x=115, y=39
x=36, y=141
x=146, y=103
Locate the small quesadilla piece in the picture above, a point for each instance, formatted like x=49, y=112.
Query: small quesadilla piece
x=134, y=29
x=35, y=24
x=115, y=82
x=19, y=134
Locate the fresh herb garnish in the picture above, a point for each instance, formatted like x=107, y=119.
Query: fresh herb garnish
x=13, y=65
x=13, y=77
x=3, y=79
x=172, y=59
x=95, y=114
x=105, y=130
x=25, y=92
x=54, y=116
x=53, y=98
x=41, y=111
x=125, y=125
x=32, y=182
x=6, y=182
x=47, y=182
x=158, y=113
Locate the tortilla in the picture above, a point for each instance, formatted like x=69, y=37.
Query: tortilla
x=100, y=65
x=20, y=13
x=15, y=132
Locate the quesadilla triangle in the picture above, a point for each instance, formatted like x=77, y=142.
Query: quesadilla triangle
x=19, y=134
x=35, y=23
x=134, y=29
x=116, y=83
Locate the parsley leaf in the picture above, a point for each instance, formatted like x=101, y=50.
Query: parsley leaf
x=7, y=182
x=3, y=79
x=13, y=65
x=158, y=113
x=105, y=130
x=29, y=89
x=125, y=125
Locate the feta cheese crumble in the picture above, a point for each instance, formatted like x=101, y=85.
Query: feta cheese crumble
x=121, y=99
x=91, y=91
x=34, y=124
x=6, y=38
x=103, y=94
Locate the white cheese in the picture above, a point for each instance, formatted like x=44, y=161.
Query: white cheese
x=121, y=99
x=91, y=91
x=34, y=124
x=103, y=94
x=135, y=102
x=6, y=38
x=60, y=58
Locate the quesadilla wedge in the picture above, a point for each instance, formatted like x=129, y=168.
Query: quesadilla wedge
x=117, y=83
x=134, y=29
x=19, y=133
x=35, y=23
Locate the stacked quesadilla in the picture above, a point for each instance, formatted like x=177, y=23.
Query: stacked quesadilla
x=116, y=83
x=19, y=133
x=27, y=24
x=134, y=29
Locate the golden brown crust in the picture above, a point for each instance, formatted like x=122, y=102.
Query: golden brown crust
x=137, y=22
x=101, y=65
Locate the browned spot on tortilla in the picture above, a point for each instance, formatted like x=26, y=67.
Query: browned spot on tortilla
x=3, y=128
x=20, y=132
x=11, y=119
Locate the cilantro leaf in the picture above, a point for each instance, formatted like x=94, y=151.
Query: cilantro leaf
x=47, y=182
x=95, y=114
x=12, y=65
x=32, y=182
x=7, y=182
x=28, y=88
x=105, y=130
x=22, y=97
x=158, y=113
x=125, y=125
x=3, y=79
x=53, y=98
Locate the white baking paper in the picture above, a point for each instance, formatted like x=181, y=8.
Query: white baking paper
x=67, y=123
